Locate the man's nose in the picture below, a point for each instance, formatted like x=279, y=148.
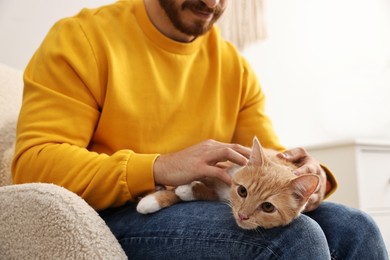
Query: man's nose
x=211, y=3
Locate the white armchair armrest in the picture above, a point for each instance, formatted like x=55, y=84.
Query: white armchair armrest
x=45, y=221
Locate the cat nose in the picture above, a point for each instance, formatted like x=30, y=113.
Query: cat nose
x=243, y=217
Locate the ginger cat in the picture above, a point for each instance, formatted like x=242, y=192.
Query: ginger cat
x=264, y=193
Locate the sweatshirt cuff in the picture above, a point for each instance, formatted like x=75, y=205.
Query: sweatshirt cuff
x=140, y=177
x=331, y=182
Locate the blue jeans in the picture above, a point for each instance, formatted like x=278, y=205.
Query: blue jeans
x=207, y=230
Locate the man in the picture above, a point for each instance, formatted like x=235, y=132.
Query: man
x=144, y=92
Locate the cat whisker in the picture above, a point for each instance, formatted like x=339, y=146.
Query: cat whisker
x=259, y=230
x=252, y=223
x=228, y=203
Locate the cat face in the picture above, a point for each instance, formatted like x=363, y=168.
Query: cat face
x=266, y=193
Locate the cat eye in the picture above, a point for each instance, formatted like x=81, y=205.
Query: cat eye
x=241, y=190
x=267, y=207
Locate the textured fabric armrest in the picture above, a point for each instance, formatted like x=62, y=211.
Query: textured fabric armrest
x=45, y=221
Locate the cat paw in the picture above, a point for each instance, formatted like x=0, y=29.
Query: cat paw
x=184, y=192
x=148, y=205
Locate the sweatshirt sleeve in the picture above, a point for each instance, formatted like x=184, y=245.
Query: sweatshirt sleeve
x=62, y=99
x=252, y=118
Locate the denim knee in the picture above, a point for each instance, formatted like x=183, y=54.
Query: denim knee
x=364, y=233
x=304, y=239
x=351, y=233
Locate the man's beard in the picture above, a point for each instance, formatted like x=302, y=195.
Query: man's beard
x=198, y=27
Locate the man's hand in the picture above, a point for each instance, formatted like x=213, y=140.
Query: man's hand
x=197, y=162
x=307, y=164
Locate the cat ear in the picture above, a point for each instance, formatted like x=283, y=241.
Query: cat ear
x=305, y=185
x=257, y=157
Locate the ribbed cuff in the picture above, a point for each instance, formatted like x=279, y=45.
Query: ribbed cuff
x=331, y=182
x=140, y=177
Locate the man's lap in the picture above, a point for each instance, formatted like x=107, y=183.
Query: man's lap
x=207, y=230
x=201, y=230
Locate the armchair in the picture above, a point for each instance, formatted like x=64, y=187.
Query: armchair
x=38, y=220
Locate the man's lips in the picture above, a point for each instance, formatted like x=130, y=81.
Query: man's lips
x=205, y=15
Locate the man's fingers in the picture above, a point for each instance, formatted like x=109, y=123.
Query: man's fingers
x=306, y=169
x=226, y=154
x=313, y=202
x=219, y=173
x=293, y=155
x=245, y=151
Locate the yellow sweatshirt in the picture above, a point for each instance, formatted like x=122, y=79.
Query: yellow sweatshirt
x=106, y=93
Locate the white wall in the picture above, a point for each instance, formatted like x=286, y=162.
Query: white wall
x=24, y=24
x=325, y=65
